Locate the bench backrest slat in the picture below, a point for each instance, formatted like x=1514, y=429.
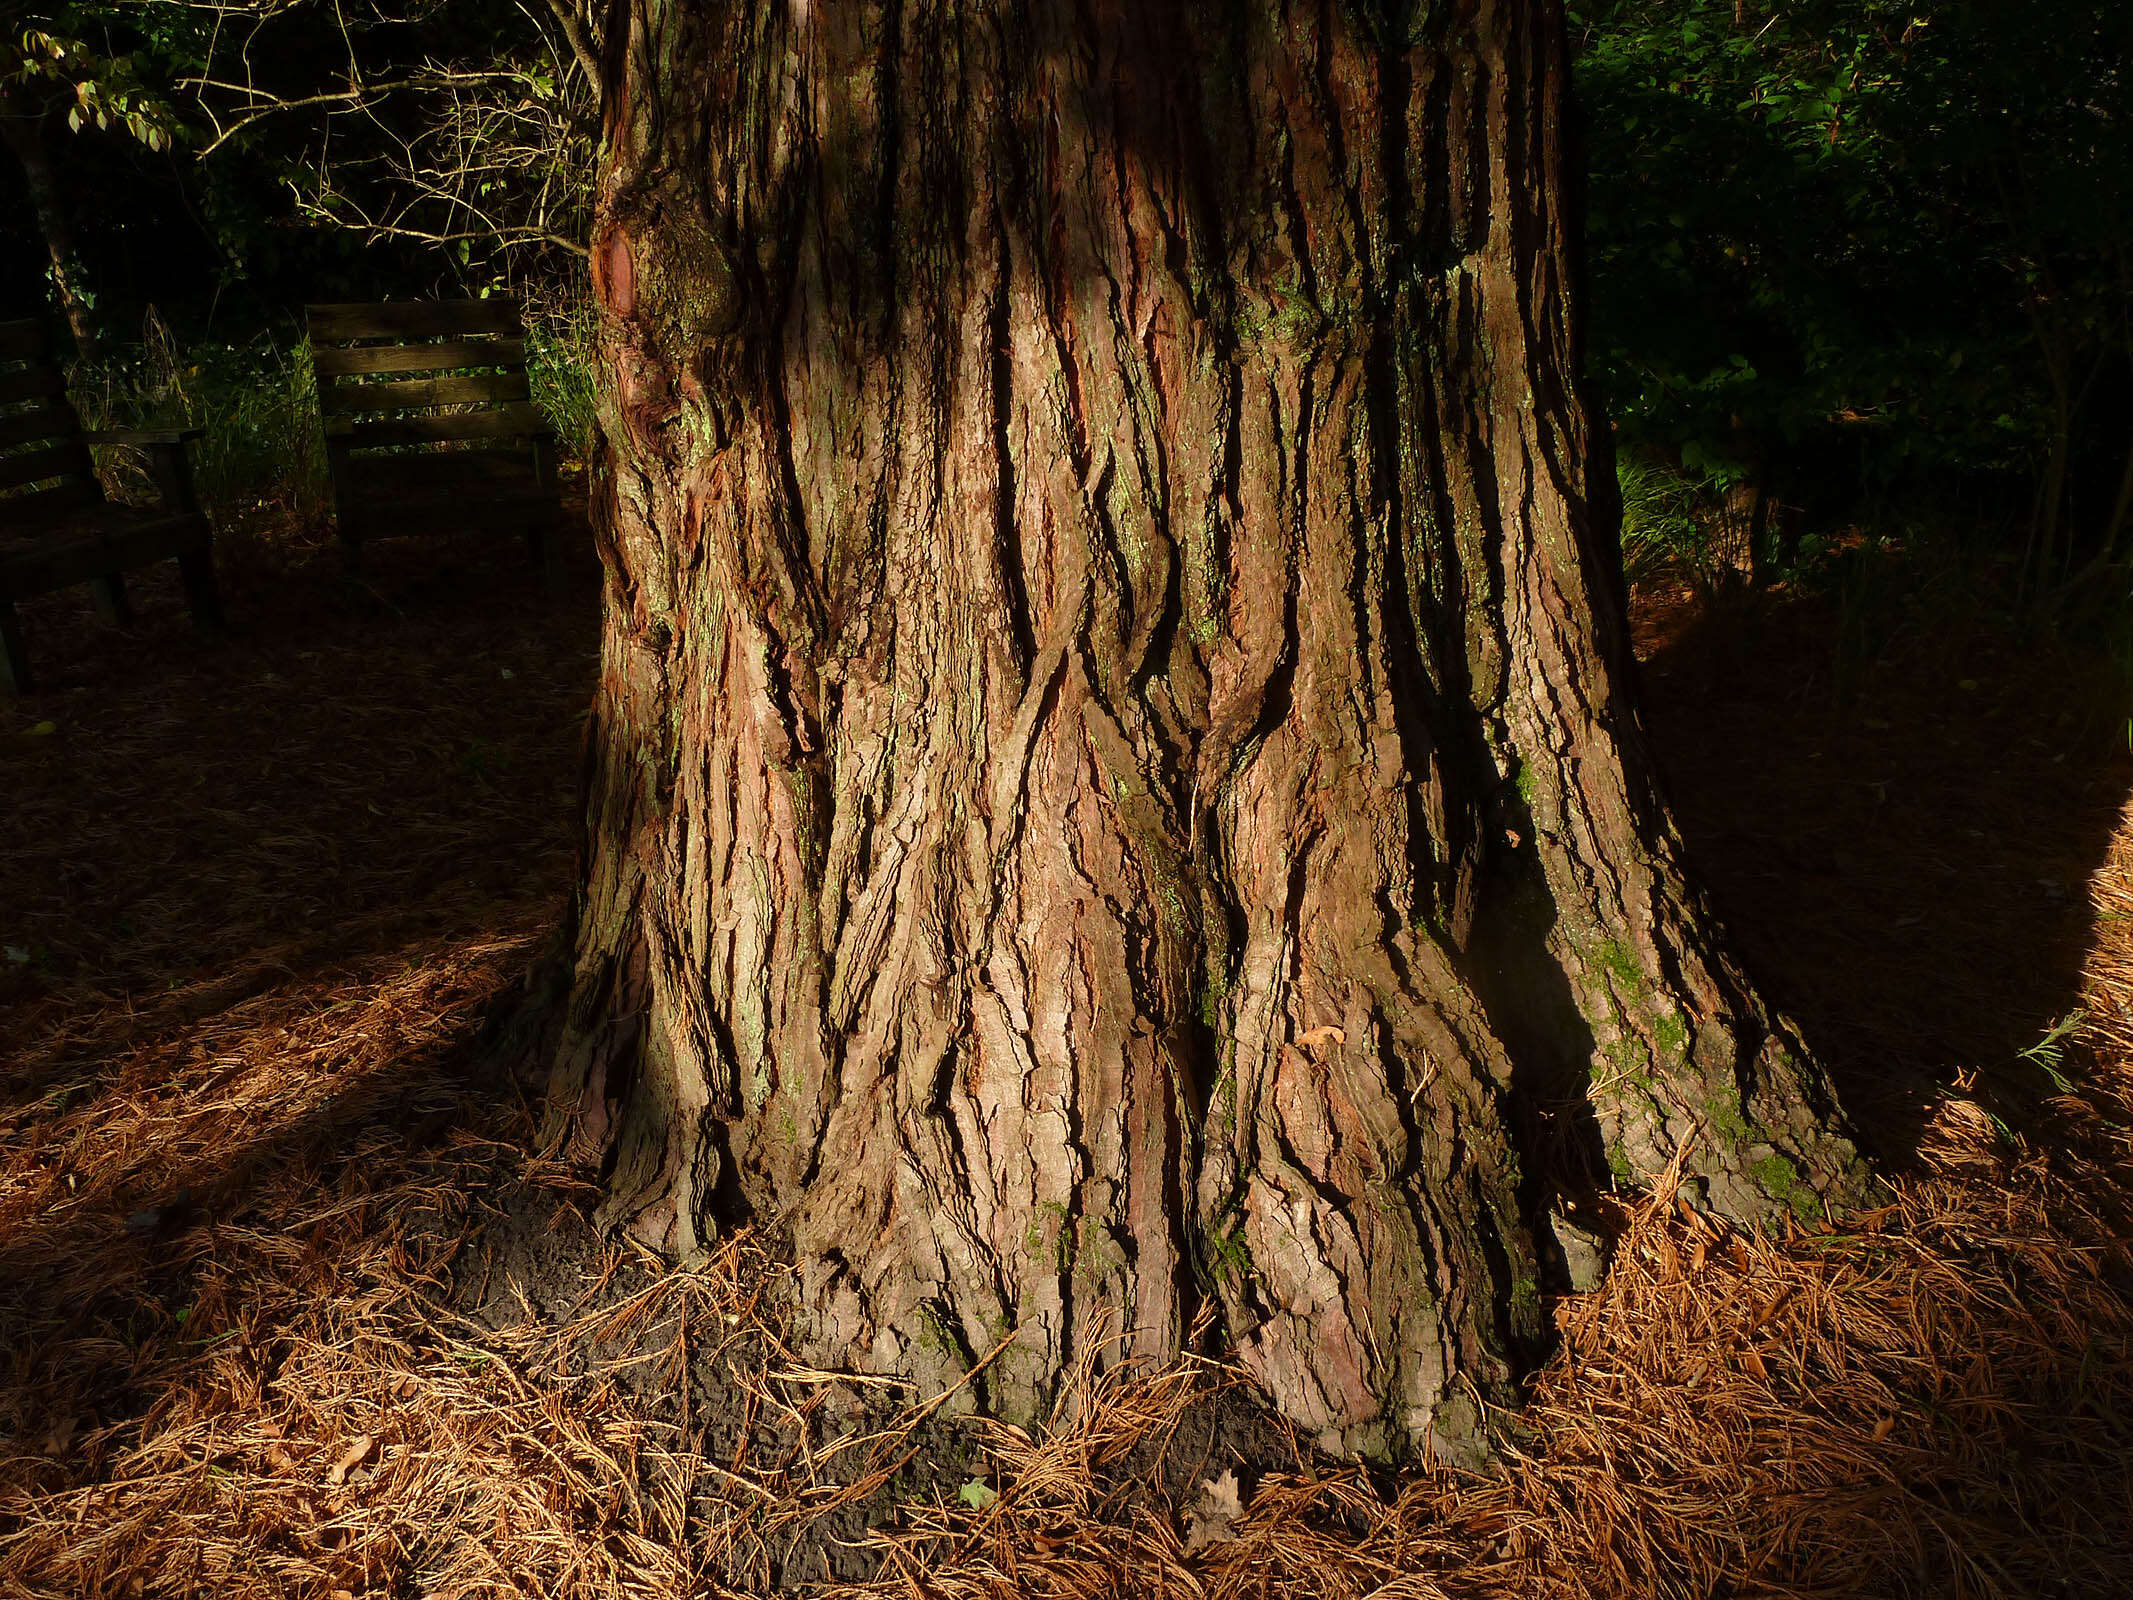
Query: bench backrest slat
x=39, y=426
x=413, y=319
x=342, y=399
x=500, y=422
x=35, y=383
x=332, y=361
x=66, y=460
x=40, y=436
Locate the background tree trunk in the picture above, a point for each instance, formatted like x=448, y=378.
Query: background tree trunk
x=21, y=131
x=1111, y=786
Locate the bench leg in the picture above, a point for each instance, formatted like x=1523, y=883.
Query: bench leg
x=351, y=554
x=110, y=592
x=197, y=569
x=544, y=544
x=14, y=659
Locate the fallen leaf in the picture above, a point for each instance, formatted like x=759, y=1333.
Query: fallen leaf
x=1771, y=1309
x=1321, y=1035
x=1754, y=1363
x=1213, y=1517
x=38, y=730
x=1883, y=1428
x=977, y=1494
x=358, y=1448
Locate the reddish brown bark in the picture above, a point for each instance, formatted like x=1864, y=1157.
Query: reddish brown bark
x=1111, y=785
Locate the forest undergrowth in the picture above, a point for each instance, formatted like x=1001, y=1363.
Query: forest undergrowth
x=295, y=1309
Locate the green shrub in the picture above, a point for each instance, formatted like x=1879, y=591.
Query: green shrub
x=1665, y=521
x=559, y=365
x=257, y=401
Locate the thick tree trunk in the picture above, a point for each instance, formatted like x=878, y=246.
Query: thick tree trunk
x=20, y=130
x=1111, y=785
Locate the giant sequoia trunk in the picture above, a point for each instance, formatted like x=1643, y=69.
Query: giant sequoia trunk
x=1111, y=787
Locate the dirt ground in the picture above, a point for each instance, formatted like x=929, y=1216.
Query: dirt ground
x=294, y=1308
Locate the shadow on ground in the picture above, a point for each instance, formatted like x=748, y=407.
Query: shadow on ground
x=358, y=764
x=293, y=1310
x=1899, y=830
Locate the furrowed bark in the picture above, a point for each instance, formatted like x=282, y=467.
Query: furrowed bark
x=1110, y=787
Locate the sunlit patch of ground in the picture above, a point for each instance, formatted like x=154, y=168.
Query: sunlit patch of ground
x=292, y=1308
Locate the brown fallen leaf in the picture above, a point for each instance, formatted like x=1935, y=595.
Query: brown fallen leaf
x=1322, y=1035
x=1213, y=1516
x=1883, y=1428
x=1754, y=1363
x=358, y=1448
x=1777, y=1300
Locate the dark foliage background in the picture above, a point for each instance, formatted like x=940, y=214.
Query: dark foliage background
x=1872, y=259
x=1861, y=271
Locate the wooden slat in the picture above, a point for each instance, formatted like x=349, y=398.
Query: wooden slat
x=413, y=319
x=71, y=523
x=31, y=385
x=67, y=460
x=389, y=519
x=500, y=422
x=47, y=422
x=78, y=558
x=330, y=362
x=23, y=341
x=149, y=438
x=41, y=507
x=440, y=472
x=342, y=398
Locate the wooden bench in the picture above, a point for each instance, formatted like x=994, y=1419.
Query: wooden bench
x=430, y=425
x=57, y=527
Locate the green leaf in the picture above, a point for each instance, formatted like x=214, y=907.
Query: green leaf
x=977, y=1494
